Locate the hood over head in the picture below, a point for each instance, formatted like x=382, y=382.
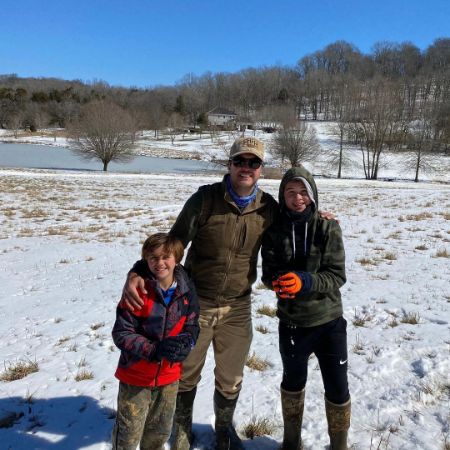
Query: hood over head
x=299, y=173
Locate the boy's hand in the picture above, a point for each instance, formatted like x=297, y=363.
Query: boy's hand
x=130, y=298
x=174, y=348
x=288, y=285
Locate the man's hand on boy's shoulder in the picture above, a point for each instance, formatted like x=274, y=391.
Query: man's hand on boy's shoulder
x=130, y=297
x=328, y=216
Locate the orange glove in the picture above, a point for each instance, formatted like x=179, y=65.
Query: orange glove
x=289, y=284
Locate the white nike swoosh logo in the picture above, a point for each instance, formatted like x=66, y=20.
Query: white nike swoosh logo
x=342, y=362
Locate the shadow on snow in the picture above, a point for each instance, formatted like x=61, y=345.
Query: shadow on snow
x=63, y=423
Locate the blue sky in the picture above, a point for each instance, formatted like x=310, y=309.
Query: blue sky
x=150, y=42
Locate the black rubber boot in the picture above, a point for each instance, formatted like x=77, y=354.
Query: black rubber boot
x=182, y=421
x=226, y=436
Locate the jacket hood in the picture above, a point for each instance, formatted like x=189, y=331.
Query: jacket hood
x=302, y=174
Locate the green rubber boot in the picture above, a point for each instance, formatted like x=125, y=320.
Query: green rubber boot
x=226, y=436
x=292, y=405
x=182, y=421
x=338, y=417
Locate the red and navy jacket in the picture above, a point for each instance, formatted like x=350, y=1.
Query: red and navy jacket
x=137, y=333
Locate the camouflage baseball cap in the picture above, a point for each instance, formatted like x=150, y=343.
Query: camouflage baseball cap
x=247, y=145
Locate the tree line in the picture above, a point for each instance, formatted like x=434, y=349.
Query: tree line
x=395, y=98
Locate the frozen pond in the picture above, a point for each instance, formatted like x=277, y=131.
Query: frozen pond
x=47, y=157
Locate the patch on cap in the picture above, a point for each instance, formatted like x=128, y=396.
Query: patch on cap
x=247, y=145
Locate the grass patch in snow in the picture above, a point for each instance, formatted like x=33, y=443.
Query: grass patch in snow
x=443, y=253
x=84, y=374
x=390, y=256
x=367, y=261
x=360, y=321
x=421, y=216
x=358, y=346
x=19, y=370
x=411, y=318
x=261, y=426
x=267, y=311
x=393, y=322
x=256, y=363
x=62, y=340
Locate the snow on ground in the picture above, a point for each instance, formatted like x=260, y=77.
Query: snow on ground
x=68, y=239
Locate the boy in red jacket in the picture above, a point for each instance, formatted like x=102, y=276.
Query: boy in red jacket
x=153, y=342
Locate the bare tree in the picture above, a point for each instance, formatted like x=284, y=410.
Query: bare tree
x=378, y=120
x=175, y=122
x=297, y=145
x=35, y=117
x=104, y=131
x=420, y=144
x=338, y=158
x=15, y=122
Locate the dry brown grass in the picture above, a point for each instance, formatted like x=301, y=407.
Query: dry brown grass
x=33, y=213
x=390, y=256
x=258, y=427
x=411, y=318
x=9, y=212
x=414, y=229
x=367, y=261
x=262, y=329
x=266, y=310
x=395, y=235
x=58, y=231
x=19, y=370
x=393, y=322
x=256, y=363
x=90, y=229
x=84, y=374
x=420, y=216
x=421, y=247
x=62, y=340
x=27, y=232
x=358, y=346
x=443, y=253
x=360, y=321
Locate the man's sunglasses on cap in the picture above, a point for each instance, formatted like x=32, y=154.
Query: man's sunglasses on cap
x=251, y=163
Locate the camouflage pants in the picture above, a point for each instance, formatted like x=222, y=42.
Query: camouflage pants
x=144, y=416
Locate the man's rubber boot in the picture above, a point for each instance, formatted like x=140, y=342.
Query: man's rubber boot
x=182, y=421
x=292, y=405
x=338, y=417
x=226, y=436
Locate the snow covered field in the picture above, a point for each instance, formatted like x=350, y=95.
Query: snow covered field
x=67, y=240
